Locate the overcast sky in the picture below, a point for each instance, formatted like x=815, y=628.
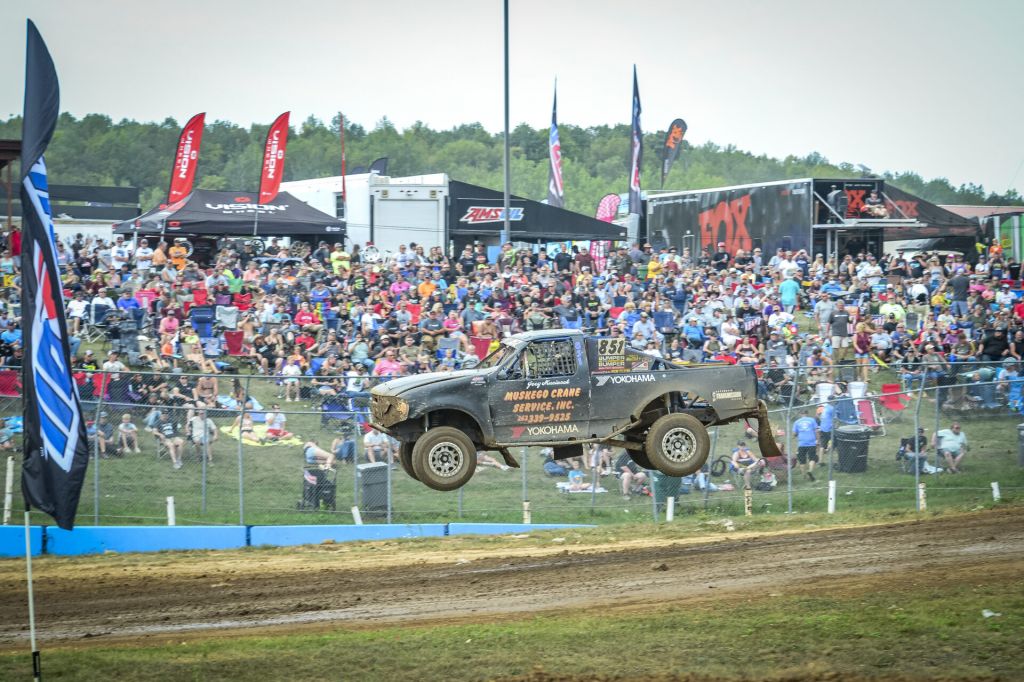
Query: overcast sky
x=932, y=86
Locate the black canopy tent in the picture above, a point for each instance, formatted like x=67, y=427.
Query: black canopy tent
x=205, y=212
x=477, y=212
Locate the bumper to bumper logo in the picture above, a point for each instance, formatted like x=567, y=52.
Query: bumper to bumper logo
x=490, y=214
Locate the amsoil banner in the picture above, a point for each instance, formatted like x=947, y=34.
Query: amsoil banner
x=186, y=158
x=273, y=159
x=673, y=145
x=769, y=216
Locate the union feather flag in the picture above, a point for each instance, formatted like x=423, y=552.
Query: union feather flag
x=636, y=151
x=186, y=157
x=273, y=159
x=56, y=452
x=556, y=191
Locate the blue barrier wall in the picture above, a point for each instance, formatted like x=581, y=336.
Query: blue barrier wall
x=506, y=528
x=311, y=535
x=12, y=540
x=98, y=539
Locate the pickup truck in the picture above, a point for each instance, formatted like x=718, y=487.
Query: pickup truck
x=563, y=389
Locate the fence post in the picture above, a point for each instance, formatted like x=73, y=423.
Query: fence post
x=789, y=441
x=241, y=475
x=995, y=495
x=711, y=459
x=390, y=464
x=9, y=489
x=831, y=497
x=205, y=455
x=917, y=427
x=96, y=454
x=748, y=501
x=460, y=502
x=594, y=480
x=171, y=518
x=524, y=456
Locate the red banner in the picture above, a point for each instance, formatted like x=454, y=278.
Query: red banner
x=183, y=173
x=273, y=159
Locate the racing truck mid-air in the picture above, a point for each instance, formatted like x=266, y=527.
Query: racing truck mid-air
x=563, y=389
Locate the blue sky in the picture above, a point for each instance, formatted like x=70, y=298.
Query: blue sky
x=901, y=85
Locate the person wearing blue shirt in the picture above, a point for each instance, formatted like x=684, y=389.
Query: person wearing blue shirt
x=806, y=431
x=127, y=301
x=12, y=335
x=826, y=419
x=788, y=291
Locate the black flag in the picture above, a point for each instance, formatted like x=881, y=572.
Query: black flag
x=673, y=145
x=380, y=166
x=636, y=151
x=56, y=448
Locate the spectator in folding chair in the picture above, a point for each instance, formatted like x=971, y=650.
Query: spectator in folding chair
x=103, y=435
x=951, y=445
x=203, y=433
x=631, y=476
x=128, y=434
x=745, y=464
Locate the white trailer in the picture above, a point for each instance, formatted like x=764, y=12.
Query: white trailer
x=382, y=210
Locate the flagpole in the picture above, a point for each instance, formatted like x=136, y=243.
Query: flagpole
x=506, y=230
x=344, y=194
x=36, y=670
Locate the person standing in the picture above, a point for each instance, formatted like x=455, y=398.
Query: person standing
x=951, y=444
x=826, y=422
x=806, y=431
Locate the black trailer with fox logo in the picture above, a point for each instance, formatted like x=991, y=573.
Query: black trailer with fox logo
x=564, y=389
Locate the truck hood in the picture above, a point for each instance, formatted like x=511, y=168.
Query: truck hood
x=397, y=387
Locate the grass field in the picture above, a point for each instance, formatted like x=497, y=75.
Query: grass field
x=923, y=625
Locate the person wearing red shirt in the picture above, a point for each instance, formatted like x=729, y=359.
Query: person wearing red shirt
x=307, y=319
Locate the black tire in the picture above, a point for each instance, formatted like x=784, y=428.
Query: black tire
x=640, y=458
x=677, y=445
x=444, y=458
x=405, y=459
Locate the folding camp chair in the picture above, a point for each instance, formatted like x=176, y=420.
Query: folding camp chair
x=894, y=401
x=202, y=318
x=200, y=297
x=869, y=416
x=95, y=325
x=665, y=323
x=481, y=346
x=226, y=316
x=10, y=383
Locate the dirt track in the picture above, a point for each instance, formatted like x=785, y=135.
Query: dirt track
x=125, y=598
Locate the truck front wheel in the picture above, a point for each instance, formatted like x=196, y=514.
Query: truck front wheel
x=677, y=445
x=444, y=458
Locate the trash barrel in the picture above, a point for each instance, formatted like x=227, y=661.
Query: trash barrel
x=1020, y=445
x=373, y=489
x=852, y=446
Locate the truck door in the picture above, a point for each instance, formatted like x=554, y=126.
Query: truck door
x=544, y=396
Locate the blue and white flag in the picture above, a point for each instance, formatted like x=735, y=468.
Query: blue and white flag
x=556, y=191
x=56, y=447
x=636, y=151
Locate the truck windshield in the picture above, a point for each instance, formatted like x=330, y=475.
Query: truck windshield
x=497, y=357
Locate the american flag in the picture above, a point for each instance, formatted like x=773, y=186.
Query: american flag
x=556, y=190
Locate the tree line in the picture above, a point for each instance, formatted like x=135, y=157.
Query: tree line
x=95, y=150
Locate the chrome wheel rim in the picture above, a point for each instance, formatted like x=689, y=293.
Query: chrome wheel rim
x=679, y=445
x=445, y=459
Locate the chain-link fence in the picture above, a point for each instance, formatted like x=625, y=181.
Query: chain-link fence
x=229, y=449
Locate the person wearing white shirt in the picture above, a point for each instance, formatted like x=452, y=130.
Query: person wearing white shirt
x=101, y=298
x=144, y=257
x=77, y=309
x=120, y=254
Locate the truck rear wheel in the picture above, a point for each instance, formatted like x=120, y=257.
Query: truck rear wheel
x=677, y=445
x=444, y=458
x=405, y=459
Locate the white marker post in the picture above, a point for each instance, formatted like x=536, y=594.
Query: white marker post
x=832, y=497
x=670, y=509
x=921, y=497
x=356, y=516
x=748, y=501
x=9, y=489
x=995, y=495
x=171, y=519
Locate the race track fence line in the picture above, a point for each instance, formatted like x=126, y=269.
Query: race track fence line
x=259, y=481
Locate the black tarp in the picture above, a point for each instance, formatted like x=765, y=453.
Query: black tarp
x=935, y=221
x=477, y=212
x=205, y=212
